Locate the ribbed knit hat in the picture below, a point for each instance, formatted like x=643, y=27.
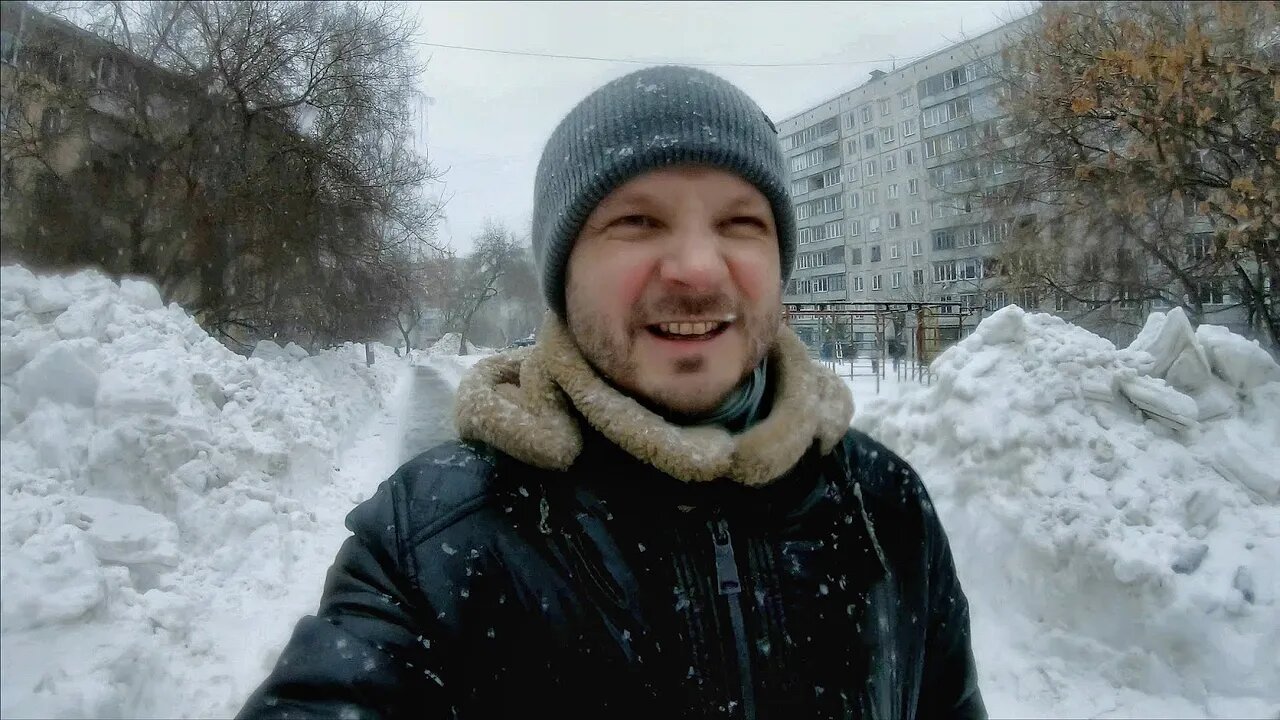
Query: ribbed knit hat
x=652, y=118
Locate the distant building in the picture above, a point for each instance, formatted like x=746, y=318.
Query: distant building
x=888, y=193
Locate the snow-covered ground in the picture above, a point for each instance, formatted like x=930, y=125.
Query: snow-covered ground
x=170, y=508
x=1115, y=514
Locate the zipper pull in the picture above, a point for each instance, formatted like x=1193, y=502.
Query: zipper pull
x=726, y=566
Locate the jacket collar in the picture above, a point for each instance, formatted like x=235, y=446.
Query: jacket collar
x=527, y=402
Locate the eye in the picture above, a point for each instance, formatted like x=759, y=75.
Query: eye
x=635, y=221
x=746, y=222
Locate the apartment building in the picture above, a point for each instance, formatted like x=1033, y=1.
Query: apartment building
x=883, y=188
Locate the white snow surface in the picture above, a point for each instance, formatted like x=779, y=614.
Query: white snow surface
x=169, y=507
x=1113, y=513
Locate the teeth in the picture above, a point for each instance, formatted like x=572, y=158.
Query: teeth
x=684, y=328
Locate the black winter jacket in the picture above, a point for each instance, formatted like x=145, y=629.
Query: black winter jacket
x=476, y=586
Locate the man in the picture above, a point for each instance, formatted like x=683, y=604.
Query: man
x=659, y=509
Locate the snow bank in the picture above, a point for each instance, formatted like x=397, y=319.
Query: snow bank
x=152, y=478
x=1114, y=513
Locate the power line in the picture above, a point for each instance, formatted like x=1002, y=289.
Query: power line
x=634, y=61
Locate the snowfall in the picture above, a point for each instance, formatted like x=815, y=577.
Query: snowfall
x=170, y=507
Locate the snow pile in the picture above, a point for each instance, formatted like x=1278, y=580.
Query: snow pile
x=1114, y=513
x=152, y=481
x=449, y=344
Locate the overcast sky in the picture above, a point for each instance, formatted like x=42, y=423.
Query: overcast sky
x=491, y=113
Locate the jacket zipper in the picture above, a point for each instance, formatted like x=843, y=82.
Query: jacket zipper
x=731, y=587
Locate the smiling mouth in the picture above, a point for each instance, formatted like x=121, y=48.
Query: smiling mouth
x=688, y=331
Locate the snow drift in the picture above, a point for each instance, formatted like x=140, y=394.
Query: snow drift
x=1114, y=510
x=156, y=487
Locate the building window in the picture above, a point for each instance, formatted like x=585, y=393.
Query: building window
x=906, y=99
x=833, y=229
x=853, y=200
x=1031, y=298
x=895, y=279
x=873, y=224
x=873, y=196
x=875, y=282
x=857, y=283
x=944, y=240
x=851, y=173
x=944, y=272
x=869, y=141
x=849, y=121
x=1211, y=292
x=831, y=177
x=1061, y=303
x=913, y=187
x=915, y=216
x=804, y=236
x=884, y=106
x=53, y=121
x=917, y=277
x=946, y=112
x=890, y=162
x=855, y=228
x=916, y=248
x=911, y=157
x=869, y=168
x=855, y=256
x=851, y=147
x=895, y=221
x=895, y=251
x=893, y=191
x=875, y=253
x=1199, y=247
x=887, y=134
x=996, y=300
x=909, y=127
x=866, y=114
x=803, y=211
x=799, y=187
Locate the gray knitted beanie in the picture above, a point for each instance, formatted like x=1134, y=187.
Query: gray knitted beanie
x=652, y=118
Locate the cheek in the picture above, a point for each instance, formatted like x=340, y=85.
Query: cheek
x=757, y=274
x=611, y=282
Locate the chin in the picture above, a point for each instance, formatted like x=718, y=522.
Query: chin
x=688, y=398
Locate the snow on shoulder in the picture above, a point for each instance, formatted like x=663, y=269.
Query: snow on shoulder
x=1115, y=513
x=153, y=478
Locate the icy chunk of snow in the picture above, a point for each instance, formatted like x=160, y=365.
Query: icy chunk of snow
x=1242, y=363
x=65, y=372
x=1160, y=401
x=53, y=577
x=126, y=534
x=268, y=350
x=142, y=293
x=1004, y=326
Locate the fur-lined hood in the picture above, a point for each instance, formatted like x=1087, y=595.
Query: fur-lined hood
x=519, y=402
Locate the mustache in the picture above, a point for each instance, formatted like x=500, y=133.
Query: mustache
x=676, y=306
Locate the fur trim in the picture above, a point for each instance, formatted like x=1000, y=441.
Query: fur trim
x=519, y=402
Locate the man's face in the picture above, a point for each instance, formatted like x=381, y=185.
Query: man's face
x=674, y=289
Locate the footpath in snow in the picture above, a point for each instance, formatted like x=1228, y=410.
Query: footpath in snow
x=1115, y=513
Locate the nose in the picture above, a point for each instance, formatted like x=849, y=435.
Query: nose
x=694, y=259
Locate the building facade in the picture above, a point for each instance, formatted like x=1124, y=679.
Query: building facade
x=888, y=182
x=881, y=185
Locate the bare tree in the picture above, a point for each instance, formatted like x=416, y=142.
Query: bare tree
x=251, y=156
x=1148, y=132
x=476, y=278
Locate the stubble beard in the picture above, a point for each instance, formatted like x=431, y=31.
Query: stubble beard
x=612, y=352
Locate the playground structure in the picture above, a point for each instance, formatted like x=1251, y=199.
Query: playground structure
x=867, y=338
